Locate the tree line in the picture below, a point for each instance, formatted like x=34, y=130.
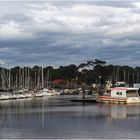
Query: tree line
x=93, y=71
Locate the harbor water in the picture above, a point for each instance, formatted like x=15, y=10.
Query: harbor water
x=57, y=117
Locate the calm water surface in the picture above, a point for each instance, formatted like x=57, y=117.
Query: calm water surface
x=59, y=118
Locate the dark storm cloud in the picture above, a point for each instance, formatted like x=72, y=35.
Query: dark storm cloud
x=61, y=33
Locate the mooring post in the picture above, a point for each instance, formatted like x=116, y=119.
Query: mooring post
x=83, y=90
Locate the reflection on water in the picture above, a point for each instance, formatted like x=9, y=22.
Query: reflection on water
x=57, y=117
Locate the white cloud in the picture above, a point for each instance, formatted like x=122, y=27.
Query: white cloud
x=84, y=17
x=12, y=30
x=75, y=17
x=2, y=62
x=137, y=4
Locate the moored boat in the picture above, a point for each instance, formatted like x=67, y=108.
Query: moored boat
x=28, y=95
x=12, y=96
x=48, y=92
x=38, y=94
x=120, y=95
x=45, y=92
x=4, y=96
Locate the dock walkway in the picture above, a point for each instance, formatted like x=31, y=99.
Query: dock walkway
x=85, y=100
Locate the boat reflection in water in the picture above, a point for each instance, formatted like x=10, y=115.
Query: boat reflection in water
x=122, y=111
x=125, y=111
x=58, y=118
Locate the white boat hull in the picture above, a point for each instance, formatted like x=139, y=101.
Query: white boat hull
x=4, y=97
x=111, y=100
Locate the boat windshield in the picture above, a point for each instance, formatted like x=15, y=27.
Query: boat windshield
x=131, y=93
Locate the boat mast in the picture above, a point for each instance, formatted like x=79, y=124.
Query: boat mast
x=9, y=77
x=133, y=77
x=48, y=78
x=20, y=78
x=38, y=79
x=2, y=77
x=138, y=76
x=118, y=74
x=124, y=75
x=16, y=80
x=23, y=78
x=28, y=77
x=35, y=80
x=128, y=77
x=42, y=76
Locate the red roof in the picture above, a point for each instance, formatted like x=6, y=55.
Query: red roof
x=58, y=81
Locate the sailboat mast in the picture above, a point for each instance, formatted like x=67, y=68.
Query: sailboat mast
x=48, y=78
x=38, y=79
x=42, y=77
x=124, y=76
x=138, y=76
x=28, y=77
x=16, y=81
x=3, y=79
x=9, y=86
x=23, y=80
x=118, y=78
x=9, y=77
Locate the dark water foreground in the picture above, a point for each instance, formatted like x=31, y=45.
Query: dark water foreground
x=58, y=118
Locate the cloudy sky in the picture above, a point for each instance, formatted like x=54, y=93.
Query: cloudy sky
x=69, y=32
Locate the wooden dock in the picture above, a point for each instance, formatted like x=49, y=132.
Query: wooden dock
x=86, y=100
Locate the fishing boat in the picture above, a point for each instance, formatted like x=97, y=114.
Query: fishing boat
x=120, y=95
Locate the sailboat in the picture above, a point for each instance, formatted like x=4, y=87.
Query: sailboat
x=45, y=91
x=39, y=92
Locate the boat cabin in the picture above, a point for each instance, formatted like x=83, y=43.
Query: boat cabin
x=124, y=92
x=120, y=95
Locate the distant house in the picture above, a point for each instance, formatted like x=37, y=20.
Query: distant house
x=58, y=82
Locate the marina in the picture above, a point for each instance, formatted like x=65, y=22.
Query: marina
x=69, y=69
